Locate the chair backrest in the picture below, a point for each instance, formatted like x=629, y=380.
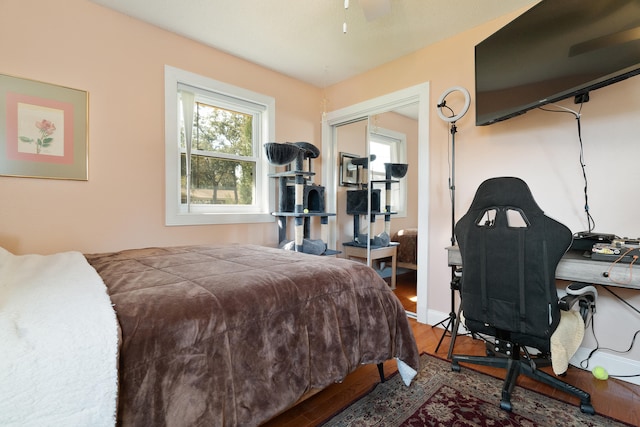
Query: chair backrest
x=510, y=251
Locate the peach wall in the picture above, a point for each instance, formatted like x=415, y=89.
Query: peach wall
x=540, y=147
x=120, y=62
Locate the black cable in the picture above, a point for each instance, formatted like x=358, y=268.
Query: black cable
x=444, y=105
x=586, y=366
x=606, y=288
x=591, y=224
x=587, y=359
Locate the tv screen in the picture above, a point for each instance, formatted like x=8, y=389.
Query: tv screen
x=555, y=50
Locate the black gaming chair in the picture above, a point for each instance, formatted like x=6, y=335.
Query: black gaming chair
x=510, y=251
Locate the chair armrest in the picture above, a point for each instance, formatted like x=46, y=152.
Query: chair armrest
x=583, y=294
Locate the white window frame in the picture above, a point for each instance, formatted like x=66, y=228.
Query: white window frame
x=176, y=213
x=399, y=155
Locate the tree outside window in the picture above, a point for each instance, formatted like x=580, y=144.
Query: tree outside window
x=221, y=144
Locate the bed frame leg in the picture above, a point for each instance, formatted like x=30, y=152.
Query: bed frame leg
x=381, y=372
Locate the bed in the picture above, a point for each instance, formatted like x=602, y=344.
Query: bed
x=408, y=248
x=224, y=335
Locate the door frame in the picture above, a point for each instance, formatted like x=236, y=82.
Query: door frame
x=389, y=102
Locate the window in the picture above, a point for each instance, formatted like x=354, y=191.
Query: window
x=389, y=147
x=216, y=170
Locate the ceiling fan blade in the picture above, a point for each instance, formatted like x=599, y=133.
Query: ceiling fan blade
x=374, y=9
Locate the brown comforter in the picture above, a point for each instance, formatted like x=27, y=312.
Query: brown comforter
x=235, y=334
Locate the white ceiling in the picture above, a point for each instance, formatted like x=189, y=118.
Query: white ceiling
x=304, y=39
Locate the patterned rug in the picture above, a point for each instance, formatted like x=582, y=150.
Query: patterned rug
x=441, y=397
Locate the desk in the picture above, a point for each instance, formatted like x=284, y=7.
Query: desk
x=577, y=268
x=360, y=252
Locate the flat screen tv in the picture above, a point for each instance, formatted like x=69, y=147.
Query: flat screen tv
x=555, y=50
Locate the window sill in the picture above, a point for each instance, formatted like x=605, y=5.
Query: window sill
x=217, y=218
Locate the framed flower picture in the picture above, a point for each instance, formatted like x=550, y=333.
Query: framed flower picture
x=43, y=130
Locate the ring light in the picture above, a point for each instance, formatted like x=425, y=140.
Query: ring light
x=441, y=103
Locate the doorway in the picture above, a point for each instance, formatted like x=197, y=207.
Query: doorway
x=412, y=101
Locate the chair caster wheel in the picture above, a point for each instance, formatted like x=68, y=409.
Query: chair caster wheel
x=587, y=409
x=455, y=367
x=506, y=406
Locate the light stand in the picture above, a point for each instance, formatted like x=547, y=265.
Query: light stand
x=451, y=321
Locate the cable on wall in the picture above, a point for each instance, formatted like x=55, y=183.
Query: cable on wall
x=584, y=364
x=591, y=224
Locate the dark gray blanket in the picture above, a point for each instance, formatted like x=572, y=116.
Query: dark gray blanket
x=235, y=334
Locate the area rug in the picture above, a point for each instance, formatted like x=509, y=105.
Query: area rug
x=440, y=397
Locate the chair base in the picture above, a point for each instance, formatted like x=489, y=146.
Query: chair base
x=516, y=366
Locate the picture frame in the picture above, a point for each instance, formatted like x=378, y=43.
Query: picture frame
x=348, y=171
x=44, y=130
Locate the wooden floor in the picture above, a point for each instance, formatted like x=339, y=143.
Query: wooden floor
x=406, y=290
x=614, y=398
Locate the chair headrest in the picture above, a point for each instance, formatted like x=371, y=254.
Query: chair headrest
x=506, y=195
x=505, y=191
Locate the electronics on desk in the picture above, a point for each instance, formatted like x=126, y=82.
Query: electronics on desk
x=625, y=241
x=584, y=240
x=616, y=251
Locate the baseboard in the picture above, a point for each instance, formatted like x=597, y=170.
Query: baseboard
x=614, y=364
x=434, y=317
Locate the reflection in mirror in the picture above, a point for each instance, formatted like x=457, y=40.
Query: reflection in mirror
x=349, y=171
x=386, y=147
x=352, y=145
x=388, y=140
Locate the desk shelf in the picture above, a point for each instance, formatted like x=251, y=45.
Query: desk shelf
x=577, y=268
